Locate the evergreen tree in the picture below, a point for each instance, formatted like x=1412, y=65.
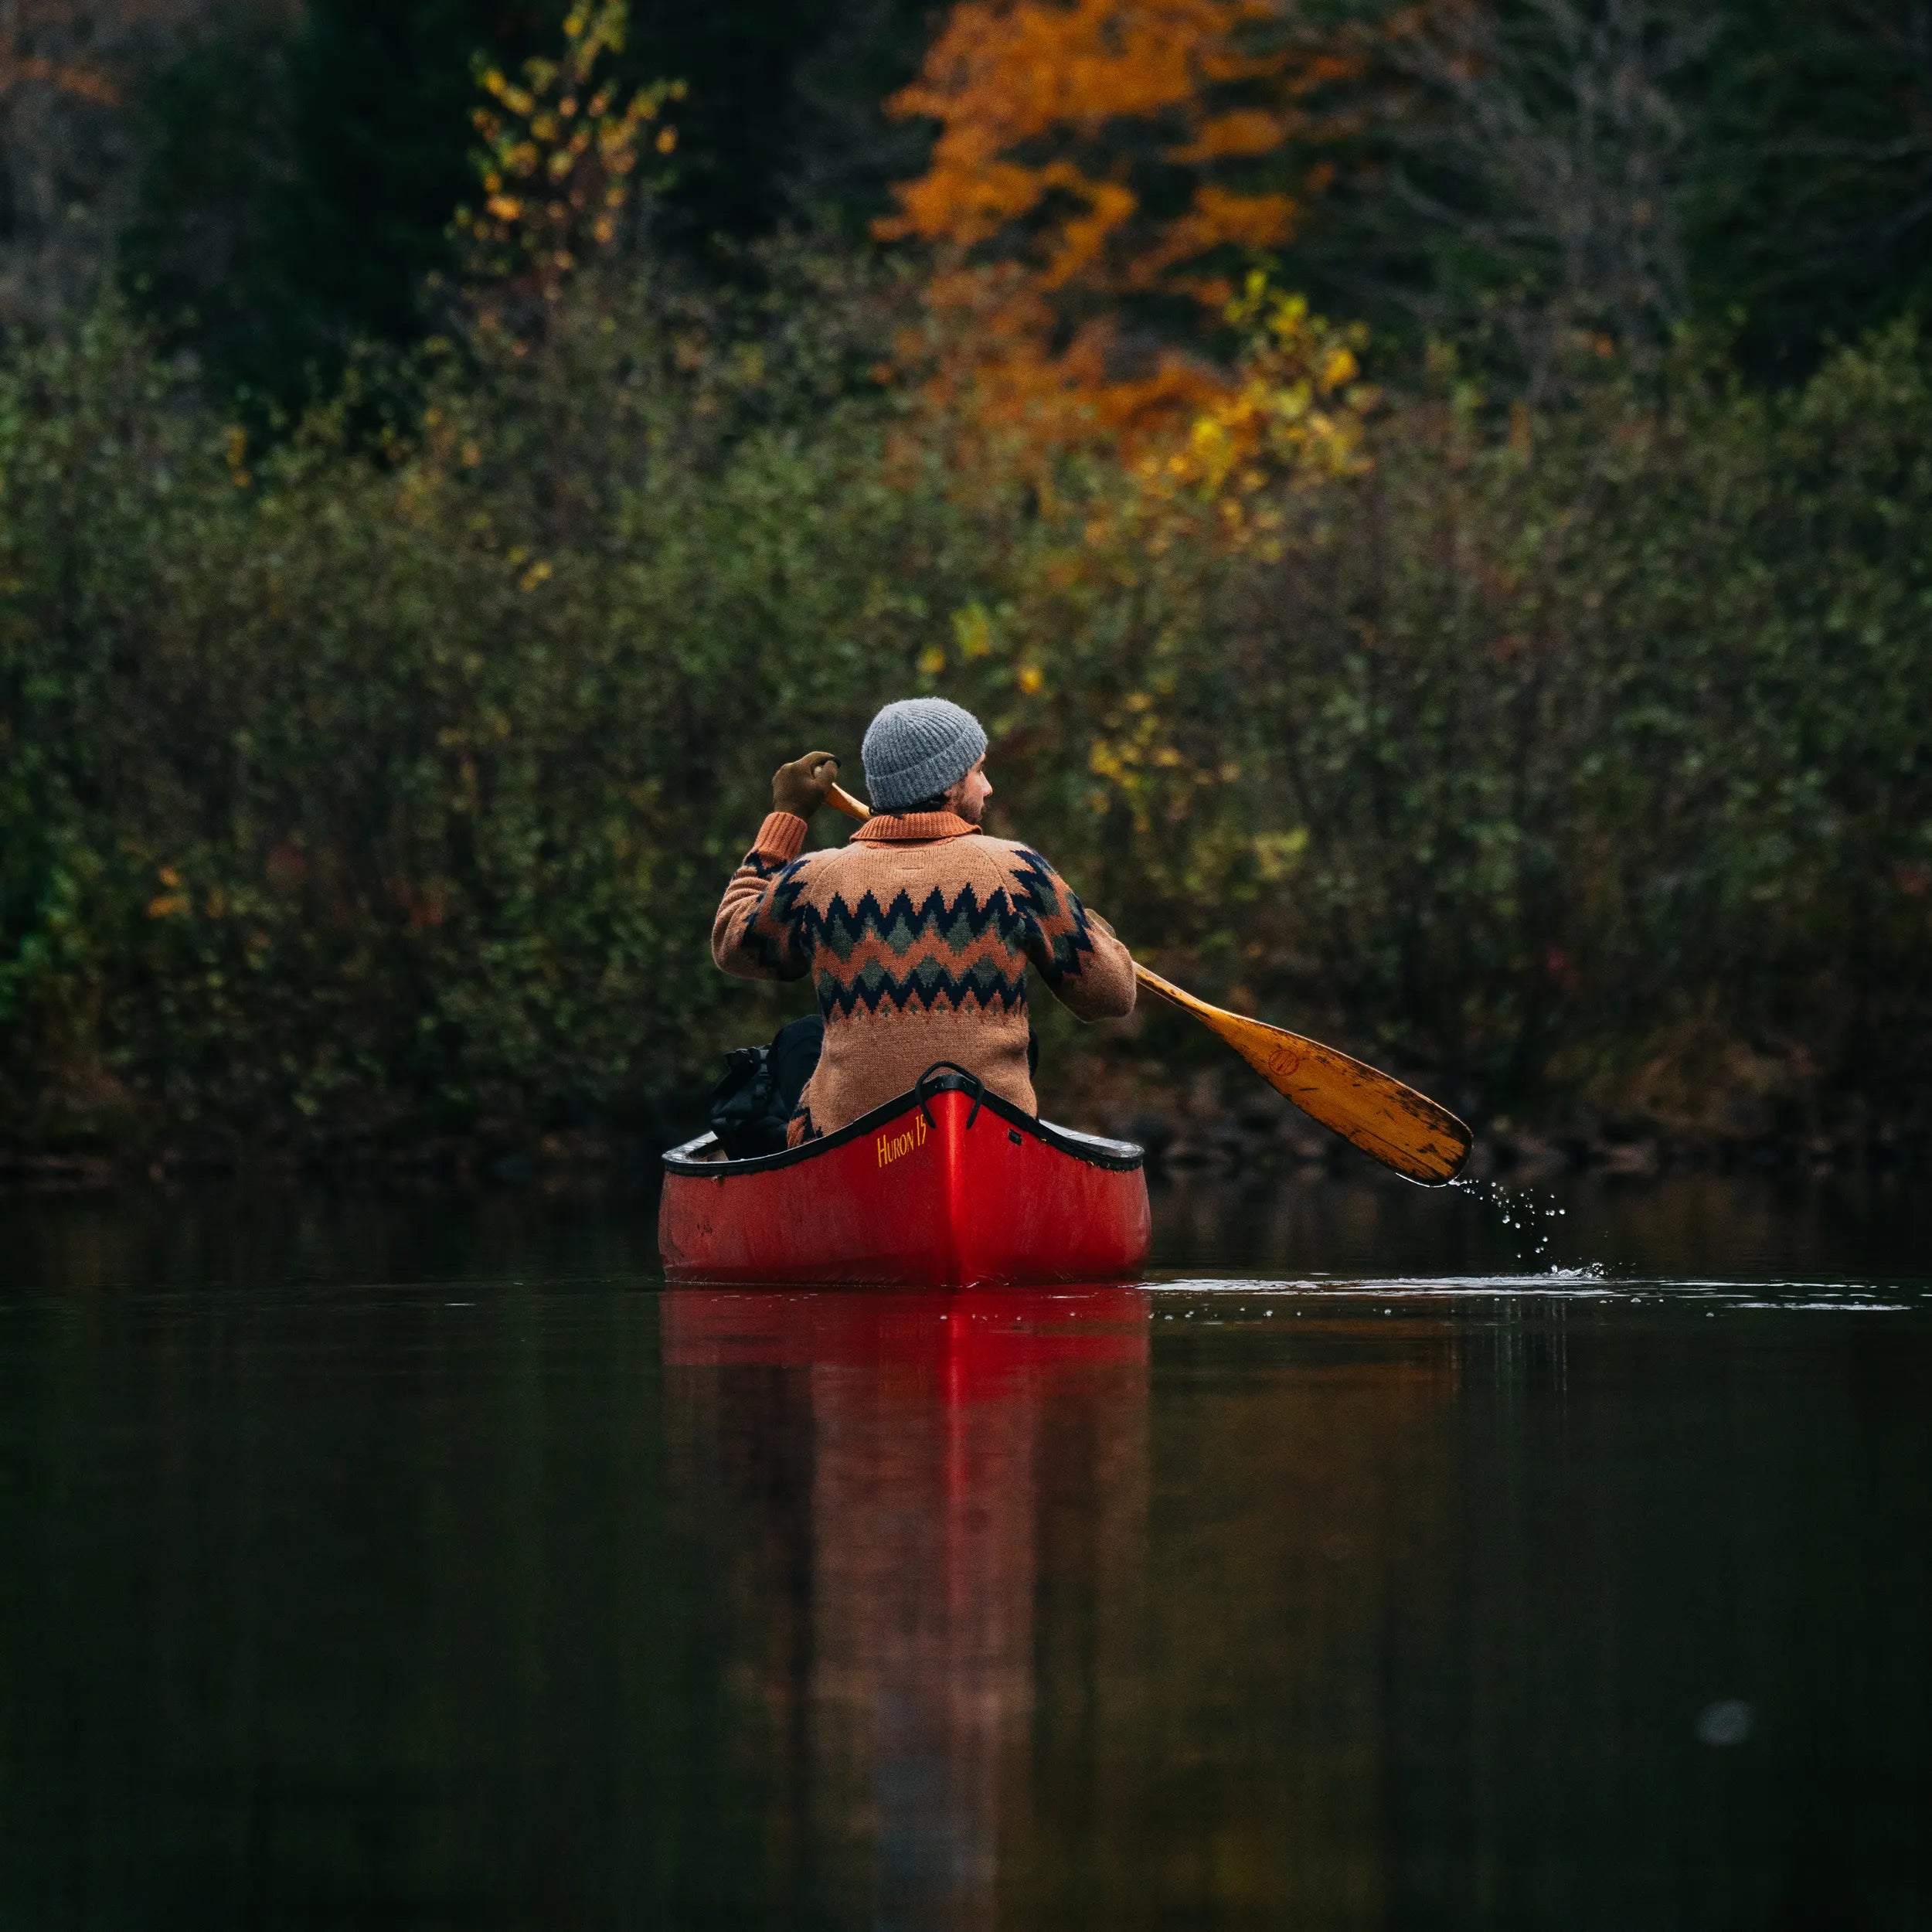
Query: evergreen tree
x=1813, y=216
x=299, y=182
x=301, y=179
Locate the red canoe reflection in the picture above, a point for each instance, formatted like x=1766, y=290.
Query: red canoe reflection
x=913, y=1490
x=977, y=1339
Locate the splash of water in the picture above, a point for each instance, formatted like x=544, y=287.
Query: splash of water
x=1529, y=1213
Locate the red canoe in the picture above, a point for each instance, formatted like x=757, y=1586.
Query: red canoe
x=947, y=1187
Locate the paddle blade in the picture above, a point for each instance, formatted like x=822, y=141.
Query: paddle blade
x=1390, y=1122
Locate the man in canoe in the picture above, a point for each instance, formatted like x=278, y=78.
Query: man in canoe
x=918, y=932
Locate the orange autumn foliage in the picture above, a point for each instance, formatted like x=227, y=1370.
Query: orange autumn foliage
x=1103, y=171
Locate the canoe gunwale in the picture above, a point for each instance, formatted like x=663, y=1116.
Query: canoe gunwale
x=1094, y=1149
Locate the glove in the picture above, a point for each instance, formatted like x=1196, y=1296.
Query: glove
x=799, y=787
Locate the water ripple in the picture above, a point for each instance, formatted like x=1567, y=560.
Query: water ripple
x=1591, y=1284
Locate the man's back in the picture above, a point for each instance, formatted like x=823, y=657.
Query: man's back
x=918, y=935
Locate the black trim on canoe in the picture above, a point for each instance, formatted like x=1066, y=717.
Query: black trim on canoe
x=1120, y=1156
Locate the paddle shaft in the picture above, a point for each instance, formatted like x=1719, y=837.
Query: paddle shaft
x=1371, y=1110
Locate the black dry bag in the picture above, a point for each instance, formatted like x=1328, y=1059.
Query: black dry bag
x=753, y=1105
x=746, y=1112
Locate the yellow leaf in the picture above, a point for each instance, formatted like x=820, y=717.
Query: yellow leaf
x=973, y=631
x=1275, y=852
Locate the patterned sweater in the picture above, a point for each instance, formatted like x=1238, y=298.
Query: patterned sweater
x=918, y=935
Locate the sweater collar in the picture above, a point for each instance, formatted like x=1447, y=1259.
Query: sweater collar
x=908, y=827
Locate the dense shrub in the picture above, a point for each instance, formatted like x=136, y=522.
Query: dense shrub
x=390, y=785
x=1580, y=753
x=384, y=783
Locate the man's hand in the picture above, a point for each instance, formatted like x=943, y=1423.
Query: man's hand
x=799, y=787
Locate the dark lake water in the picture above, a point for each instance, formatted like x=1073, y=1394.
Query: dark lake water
x=1382, y=1562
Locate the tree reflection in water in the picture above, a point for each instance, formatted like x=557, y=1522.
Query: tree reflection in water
x=918, y=1494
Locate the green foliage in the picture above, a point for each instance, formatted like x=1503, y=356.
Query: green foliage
x=352, y=789
x=388, y=789
x=1547, y=753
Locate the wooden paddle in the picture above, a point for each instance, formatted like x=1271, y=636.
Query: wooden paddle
x=1392, y=1122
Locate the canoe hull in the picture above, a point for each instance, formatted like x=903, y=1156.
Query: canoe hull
x=956, y=1190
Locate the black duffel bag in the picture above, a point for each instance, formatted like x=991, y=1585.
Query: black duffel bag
x=750, y=1107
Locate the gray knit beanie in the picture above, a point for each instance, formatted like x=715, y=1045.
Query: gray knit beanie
x=917, y=749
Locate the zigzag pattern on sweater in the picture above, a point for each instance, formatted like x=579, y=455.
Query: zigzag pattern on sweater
x=940, y=952
x=1063, y=928
x=902, y=955
x=952, y=925
x=771, y=936
x=929, y=984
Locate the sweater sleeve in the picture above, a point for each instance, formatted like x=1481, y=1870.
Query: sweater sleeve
x=1086, y=967
x=757, y=934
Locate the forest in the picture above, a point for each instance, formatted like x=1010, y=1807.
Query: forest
x=1432, y=503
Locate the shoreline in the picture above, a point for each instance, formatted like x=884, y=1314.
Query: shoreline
x=1182, y=1138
